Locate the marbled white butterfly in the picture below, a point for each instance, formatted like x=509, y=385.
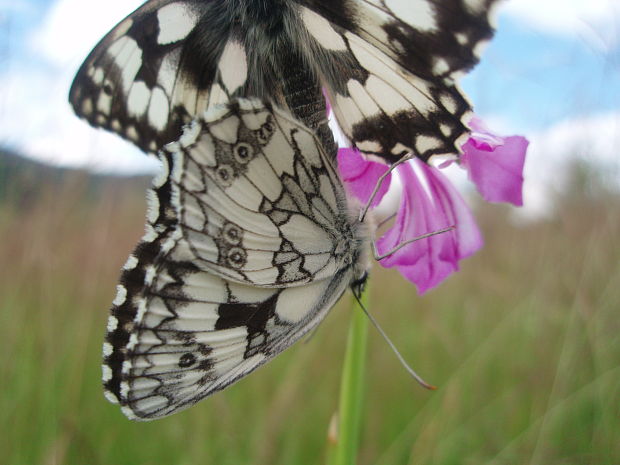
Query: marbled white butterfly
x=249, y=239
x=387, y=66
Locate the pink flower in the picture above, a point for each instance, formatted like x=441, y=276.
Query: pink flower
x=430, y=203
x=361, y=175
x=495, y=164
x=429, y=261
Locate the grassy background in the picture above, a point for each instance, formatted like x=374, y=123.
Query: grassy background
x=524, y=345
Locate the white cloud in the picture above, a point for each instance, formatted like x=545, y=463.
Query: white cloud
x=594, y=139
x=597, y=21
x=37, y=119
x=73, y=27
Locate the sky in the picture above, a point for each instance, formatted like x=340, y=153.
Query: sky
x=551, y=73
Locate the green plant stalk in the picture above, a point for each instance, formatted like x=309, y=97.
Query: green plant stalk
x=352, y=387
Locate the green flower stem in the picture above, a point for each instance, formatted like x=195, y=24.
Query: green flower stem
x=349, y=418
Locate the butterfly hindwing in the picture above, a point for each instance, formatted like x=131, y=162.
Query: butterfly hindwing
x=258, y=200
x=193, y=333
x=188, y=320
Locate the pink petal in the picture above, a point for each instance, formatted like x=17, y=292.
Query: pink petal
x=429, y=261
x=468, y=236
x=495, y=164
x=360, y=175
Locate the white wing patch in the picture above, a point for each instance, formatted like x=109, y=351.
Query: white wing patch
x=419, y=14
x=292, y=303
x=233, y=66
x=138, y=99
x=158, y=109
x=127, y=55
x=176, y=21
x=321, y=29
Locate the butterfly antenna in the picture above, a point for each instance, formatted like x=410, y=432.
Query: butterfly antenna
x=402, y=360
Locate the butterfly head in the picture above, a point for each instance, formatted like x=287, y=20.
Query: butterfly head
x=359, y=284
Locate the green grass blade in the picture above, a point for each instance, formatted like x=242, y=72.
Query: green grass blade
x=349, y=418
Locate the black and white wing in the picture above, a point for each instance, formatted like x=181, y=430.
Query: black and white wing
x=398, y=92
x=248, y=246
x=157, y=70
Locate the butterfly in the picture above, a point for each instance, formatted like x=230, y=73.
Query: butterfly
x=250, y=239
x=249, y=242
x=388, y=67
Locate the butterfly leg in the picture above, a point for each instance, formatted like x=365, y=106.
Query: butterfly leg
x=403, y=244
x=380, y=182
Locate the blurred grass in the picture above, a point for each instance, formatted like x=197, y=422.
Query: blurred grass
x=524, y=345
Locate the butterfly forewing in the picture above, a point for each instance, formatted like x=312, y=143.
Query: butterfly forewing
x=138, y=82
x=221, y=282
x=408, y=53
